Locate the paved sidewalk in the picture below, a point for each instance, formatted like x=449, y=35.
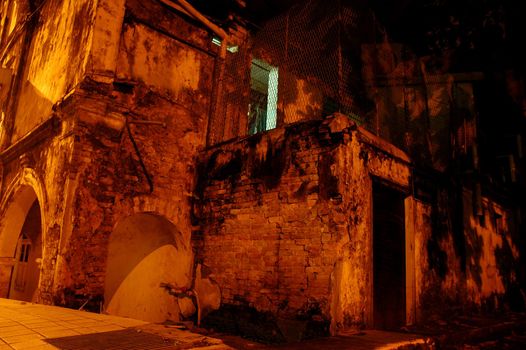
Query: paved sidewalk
x=33, y=326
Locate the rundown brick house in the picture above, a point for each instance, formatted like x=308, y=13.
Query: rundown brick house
x=151, y=158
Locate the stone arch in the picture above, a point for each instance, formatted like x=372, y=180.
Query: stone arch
x=21, y=216
x=146, y=250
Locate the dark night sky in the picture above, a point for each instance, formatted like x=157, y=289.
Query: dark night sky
x=486, y=34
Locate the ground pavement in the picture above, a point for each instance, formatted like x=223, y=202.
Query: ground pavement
x=33, y=326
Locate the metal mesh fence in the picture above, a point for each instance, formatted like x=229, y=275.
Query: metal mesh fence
x=317, y=59
x=301, y=65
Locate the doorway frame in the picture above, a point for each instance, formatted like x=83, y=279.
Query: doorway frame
x=410, y=286
x=18, y=197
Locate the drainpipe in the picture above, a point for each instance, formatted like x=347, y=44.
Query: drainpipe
x=219, y=70
x=198, y=15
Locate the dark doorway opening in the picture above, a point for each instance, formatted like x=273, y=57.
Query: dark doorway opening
x=389, y=275
x=25, y=274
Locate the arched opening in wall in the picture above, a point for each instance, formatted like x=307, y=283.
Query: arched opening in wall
x=21, y=247
x=146, y=251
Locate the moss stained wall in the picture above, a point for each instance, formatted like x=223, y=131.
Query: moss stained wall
x=160, y=79
x=358, y=161
x=91, y=171
x=286, y=220
x=57, y=60
x=281, y=220
x=105, y=39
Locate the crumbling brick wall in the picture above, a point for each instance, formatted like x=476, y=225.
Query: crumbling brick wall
x=264, y=228
x=286, y=220
x=110, y=184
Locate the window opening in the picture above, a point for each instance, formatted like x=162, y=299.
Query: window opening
x=262, y=111
x=216, y=41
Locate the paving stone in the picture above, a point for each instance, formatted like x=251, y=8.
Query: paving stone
x=31, y=344
x=59, y=333
x=22, y=338
x=106, y=335
x=16, y=332
x=49, y=327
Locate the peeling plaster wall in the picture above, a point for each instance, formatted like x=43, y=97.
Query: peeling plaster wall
x=161, y=62
x=155, y=83
x=109, y=184
x=359, y=160
x=280, y=221
x=286, y=221
x=57, y=60
x=105, y=39
x=44, y=172
x=90, y=168
x=266, y=237
x=263, y=226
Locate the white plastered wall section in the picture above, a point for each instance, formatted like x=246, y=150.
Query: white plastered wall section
x=146, y=251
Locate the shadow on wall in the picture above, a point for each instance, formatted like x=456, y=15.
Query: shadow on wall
x=508, y=266
x=145, y=251
x=33, y=109
x=493, y=259
x=446, y=220
x=480, y=250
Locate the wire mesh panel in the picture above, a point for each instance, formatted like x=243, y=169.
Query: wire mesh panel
x=316, y=54
x=319, y=58
x=301, y=65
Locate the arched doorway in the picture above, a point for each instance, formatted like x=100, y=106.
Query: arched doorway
x=145, y=251
x=21, y=246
